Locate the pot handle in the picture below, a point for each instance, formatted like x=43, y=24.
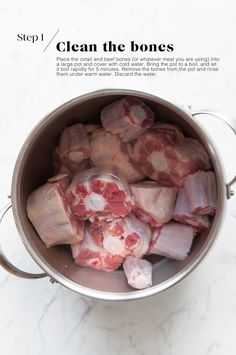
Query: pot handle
x=232, y=125
x=7, y=265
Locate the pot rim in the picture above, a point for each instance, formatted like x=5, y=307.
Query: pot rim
x=136, y=294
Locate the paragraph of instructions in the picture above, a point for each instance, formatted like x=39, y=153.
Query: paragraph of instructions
x=133, y=66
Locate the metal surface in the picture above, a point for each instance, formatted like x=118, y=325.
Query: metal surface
x=9, y=266
x=221, y=116
x=232, y=125
x=33, y=166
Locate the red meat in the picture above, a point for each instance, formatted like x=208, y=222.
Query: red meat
x=89, y=253
x=154, y=203
x=108, y=149
x=72, y=153
x=123, y=236
x=99, y=192
x=163, y=154
x=69, y=167
x=183, y=214
x=127, y=117
x=173, y=240
x=50, y=214
x=202, y=192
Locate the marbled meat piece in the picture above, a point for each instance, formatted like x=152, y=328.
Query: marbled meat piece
x=124, y=236
x=163, y=154
x=50, y=214
x=138, y=272
x=74, y=146
x=68, y=167
x=128, y=117
x=108, y=149
x=154, y=203
x=173, y=240
x=89, y=253
x=99, y=192
x=202, y=192
x=183, y=214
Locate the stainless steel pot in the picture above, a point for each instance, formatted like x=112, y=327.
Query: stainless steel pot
x=33, y=167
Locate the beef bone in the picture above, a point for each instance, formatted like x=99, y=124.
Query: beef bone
x=127, y=117
x=108, y=149
x=50, y=214
x=99, y=192
x=173, y=240
x=89, y=253
x=138, y=272
x=183, y=214
x=202, y=192
x=154, y=203
x=165, y=155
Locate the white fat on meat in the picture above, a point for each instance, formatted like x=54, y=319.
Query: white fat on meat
x=138, y=272
x=183, y=214
x=99, y=191
x=51, y=215
x=165, y=155
x=202, y=192
x=108, y=149
x=127, y=236
x=154, y=203
x=173, y=240
x=128, y=117
x=89, y=253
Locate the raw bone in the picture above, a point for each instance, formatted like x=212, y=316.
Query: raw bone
x=154, y=202
x=183, y=214
x=163, y=154
x=51, y=215
x=127, y=117
x=89, y=253
x=124, y=236
x=73, y=147
x=99, y=192
x=108, y=149
x=173, y=240
x=68, y=167
x=138, y=272
x=202, y=192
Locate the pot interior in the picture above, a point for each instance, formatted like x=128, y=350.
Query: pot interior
x=34, y=166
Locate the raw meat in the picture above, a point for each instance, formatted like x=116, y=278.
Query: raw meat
x=99, y=192
x=69, y=167
x=51, y=215
x=89, y=128
x=154, y=202
x=127, y=117
x=183, y=214
x=173, y=240
x=169, y=132
x=108, y=149
x=163, y=154
x=202, y=192
x=74, y=146
x=138, y=272
x=89, y=253
x=96, y=230
x=125, y=236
